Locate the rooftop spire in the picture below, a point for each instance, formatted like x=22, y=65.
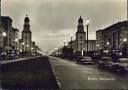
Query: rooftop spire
x=80, y=20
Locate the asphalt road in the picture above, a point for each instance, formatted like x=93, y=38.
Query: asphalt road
x=75, y=76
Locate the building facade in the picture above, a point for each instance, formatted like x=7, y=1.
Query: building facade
x=7, y=29
x=26, y=36
x=91, y=46
x=113, y=37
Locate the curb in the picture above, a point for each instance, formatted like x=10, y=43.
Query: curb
x=56, y=78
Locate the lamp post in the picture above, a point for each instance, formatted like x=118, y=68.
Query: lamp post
x=32, y=50
x=55, y=51
x=87, y=25
x=97, y=46
x=71, y=39
x=23, y=46
x=16, y=40
x=126, y=45
x=4, y=35
x=83, y=51
x=64, y=42
x=108, y=43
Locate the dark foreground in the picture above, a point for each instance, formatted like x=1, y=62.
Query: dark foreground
x=29, y=74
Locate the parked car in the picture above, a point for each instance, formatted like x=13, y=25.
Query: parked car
x=85, y=60
x=106, y=62
x=9, y=57
x=121, y=65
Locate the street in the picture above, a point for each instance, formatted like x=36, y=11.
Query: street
x=75, y=76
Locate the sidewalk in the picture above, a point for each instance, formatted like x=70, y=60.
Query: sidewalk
x=17, y=60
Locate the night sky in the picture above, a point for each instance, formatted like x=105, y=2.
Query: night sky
x=52, y=21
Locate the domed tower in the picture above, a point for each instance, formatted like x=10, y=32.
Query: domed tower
x=80, y=36
x=26, y=36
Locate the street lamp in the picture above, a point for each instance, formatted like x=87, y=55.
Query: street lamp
x=23, y=45
x=71, y=39
x=64, y=42
x=97, y=45
x=22, y=48
x=4, y=35
x=83, y=52
x=87, y=25
x=27, y=45
x=125, y=39
x=32, y=50
x=16, y=40
x=108, y=43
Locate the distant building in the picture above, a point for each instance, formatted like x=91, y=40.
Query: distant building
x=26, y=36
x=99, y=40
x=80, y=36
x=7, y=28
x=72, y=44
x=113, y=37
x=91, y=45
x=80, y=43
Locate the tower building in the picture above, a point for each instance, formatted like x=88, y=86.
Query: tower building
x=80, y=36
x=26, y=36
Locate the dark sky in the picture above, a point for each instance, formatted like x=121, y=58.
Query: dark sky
x=52, y=21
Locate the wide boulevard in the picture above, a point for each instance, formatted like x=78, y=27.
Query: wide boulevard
x=75, y=76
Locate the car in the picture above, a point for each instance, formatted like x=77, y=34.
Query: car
x=121, y=66
x=85, y=60
x=106, y=62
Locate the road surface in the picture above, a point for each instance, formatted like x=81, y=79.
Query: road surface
x=75, y=76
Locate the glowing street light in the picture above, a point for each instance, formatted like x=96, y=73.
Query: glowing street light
x=27, y=45
x=125, y=39
x=87, y=22
x=4, y=34
x=23, y=43
x=97, y=45
x=108, y=43
x=16, y=40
